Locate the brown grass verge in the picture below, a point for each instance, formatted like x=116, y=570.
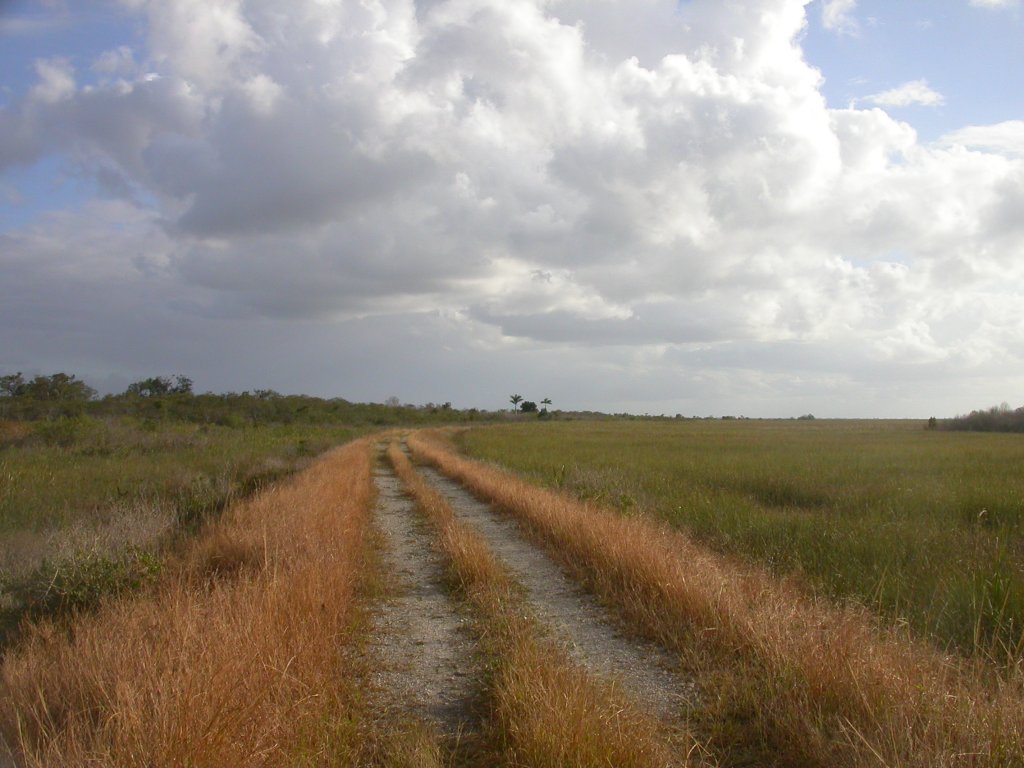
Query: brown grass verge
x=546, y=710
x=789, y=680
x=233, y=659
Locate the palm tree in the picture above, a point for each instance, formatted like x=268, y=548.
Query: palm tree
x=515, y=400
x=546, y=402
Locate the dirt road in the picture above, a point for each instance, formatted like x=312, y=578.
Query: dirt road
x=428, y=664
x=423, y=650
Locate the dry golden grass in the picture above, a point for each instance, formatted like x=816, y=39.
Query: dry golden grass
x=546, y=710
x=789, y=679
x=234, y=659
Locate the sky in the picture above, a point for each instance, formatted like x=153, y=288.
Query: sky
x=710, y=207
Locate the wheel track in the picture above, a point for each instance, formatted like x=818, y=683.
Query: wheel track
x=592, y=635
x=424, y=650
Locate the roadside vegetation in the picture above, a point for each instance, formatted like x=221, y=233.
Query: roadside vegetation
x=90, y=507
x=232, y=657
x=184, y=580
x=96, y=492
x=545, y=711
x=787, y=679
x=923, y=527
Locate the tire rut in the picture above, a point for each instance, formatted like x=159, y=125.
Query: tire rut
x=591, y=633
x=426, y=657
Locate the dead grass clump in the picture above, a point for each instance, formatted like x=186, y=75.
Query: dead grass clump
x=126, y=524
x=546, y=711
x=800, y=681
x=241, y=671
x=13, y=433
x=221, y=555
x=408, y=745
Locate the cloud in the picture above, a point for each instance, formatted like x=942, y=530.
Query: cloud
x=24, y=26
x=630, y=199
x=117, y=61
x=1006, y=138
x=837, y=16
x=56, y=80
x=910, y=93
x=996, y=4
x=107, y=130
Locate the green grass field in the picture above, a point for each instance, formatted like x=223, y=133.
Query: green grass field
x=87, y=504
x=93, y=490
x=923, y=526
x=57, y=473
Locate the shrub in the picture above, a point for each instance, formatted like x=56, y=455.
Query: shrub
x=82, y=581
x=66, y=431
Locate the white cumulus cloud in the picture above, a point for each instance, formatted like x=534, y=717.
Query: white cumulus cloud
x=117, y=61
x=837, y=16
x=910, y=93
x=1005, y=138
x=56, y=80
x=647, y=197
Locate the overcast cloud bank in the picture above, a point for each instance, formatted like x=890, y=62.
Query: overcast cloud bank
x=618, y=202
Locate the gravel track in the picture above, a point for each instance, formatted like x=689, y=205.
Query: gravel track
x=590, y=632
x=424, y=650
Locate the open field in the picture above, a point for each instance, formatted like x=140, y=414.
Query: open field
x=86, y=504
x=923, y=526
x=59, y=473
x=786, y=678
x=253, y=647
x=318, y=621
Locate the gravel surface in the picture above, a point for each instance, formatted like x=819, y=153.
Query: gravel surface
x=592, y=634
x=424, y=649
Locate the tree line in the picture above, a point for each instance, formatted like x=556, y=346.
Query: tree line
x=998, y=418
x=62, y=395
x=59, y=386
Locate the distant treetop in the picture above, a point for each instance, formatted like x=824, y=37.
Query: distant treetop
x=161, y=385
x=57, y=386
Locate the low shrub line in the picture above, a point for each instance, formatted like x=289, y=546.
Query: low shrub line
x=788, y=679
x=546, y=710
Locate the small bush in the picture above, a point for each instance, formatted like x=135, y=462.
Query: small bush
x=81, y=582
x=66, y=431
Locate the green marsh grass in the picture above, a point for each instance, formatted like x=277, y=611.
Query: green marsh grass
x=87, y=503
x=56, y=473
x=924, y=527
x=787, y=678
